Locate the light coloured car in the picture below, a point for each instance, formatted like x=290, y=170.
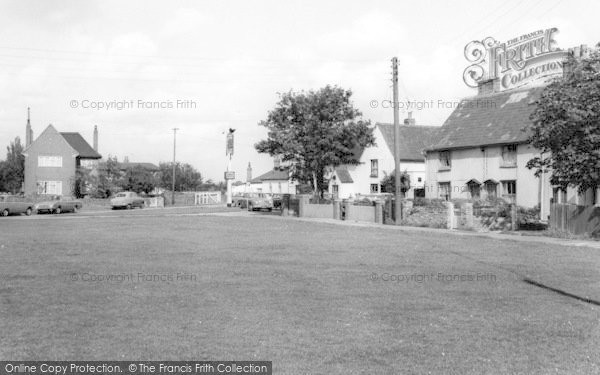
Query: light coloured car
x=127, y=199
x=260, y=201
x=11, y=205
x=58, y=206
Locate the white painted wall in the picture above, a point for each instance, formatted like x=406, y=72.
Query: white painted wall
x=361, y=174
x=484, y=164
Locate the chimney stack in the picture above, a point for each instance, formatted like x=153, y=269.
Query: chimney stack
x=410, y=120
x=28, y=131
x=488, y=86
x=249, y=173
x=96, y=138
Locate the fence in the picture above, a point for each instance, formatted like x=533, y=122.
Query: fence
x=575, y=219
x=207, y=197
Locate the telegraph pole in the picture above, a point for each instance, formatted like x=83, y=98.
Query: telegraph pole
x=174, y=149
x=397, y=192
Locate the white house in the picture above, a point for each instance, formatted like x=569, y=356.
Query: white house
x=482, y=151
x=275, y=181
x=377, y=161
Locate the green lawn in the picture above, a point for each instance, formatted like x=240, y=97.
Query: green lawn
x=308, y=296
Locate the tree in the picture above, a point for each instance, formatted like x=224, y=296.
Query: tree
x=138, y=179
x=388, y=184
x=12, y=170
x=315, y=131
x=566, y=126
x=187, y=178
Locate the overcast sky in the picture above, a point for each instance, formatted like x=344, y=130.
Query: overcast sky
x=231, y=58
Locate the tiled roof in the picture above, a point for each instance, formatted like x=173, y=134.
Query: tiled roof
x=344, y=176
x=487, y=120
x=81, y=146
x=413, y=139
x=147, y=166
x=273, y=174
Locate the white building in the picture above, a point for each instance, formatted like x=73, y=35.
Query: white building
x=377, y=162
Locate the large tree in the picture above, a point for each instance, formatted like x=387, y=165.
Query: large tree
x=12, y=170
x=314, y=131
x=566, y=126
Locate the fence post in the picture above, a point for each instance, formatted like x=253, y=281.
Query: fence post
x=336, y=209
x=450, y=210
x=378, y=212
x=303, y=201
x=513, y=217
x=469, y=215
x=348, y=209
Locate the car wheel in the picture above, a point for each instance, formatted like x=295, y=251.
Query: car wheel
x=75, y=209
x=129, y=207
x=270, y=209
x=28, y=212
x=5, y=212
x=57, y=210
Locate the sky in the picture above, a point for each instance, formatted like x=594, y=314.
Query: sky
x=138, y=69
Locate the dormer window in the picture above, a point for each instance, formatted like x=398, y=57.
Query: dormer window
x=509, y=156
x=445, y=161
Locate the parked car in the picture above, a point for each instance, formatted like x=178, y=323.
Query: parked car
x=127, y=199
x=11, y=205
x=58, y=206
x=260, y=201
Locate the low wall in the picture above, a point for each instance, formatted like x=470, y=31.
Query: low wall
x=360, y=213
x=323, y=211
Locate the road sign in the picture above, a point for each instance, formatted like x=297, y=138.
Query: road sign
x=230, y=175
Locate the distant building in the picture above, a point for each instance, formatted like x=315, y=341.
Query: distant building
x=376, y=162
x=52, y=160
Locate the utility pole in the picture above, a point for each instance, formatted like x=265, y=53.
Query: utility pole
x=397, y=182
x=174, y=149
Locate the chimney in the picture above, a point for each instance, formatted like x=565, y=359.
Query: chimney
x=410, y=120
x=276, y=162
x=574, y=54
x=28, y=131
x=488, y=86
x=96, y=138
x=249, y=173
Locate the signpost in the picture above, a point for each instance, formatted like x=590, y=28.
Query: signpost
x=229, y=175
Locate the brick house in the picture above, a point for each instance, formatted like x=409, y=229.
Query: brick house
x=52, y=160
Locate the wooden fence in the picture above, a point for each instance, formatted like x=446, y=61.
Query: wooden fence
x=575, y=219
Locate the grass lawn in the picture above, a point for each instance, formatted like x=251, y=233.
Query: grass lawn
x=313, y=298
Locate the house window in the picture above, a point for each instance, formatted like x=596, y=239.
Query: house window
x=444, y=189
x=49, y=187
x=50, y=161
x=509, y=156
x=445, y=159
x=509, y=190
x=374, y=168
x=335, y=189
x=374, y=188
x=491, y=189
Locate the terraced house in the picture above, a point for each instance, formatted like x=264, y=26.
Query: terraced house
x=52, y=160
x=481, y=151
